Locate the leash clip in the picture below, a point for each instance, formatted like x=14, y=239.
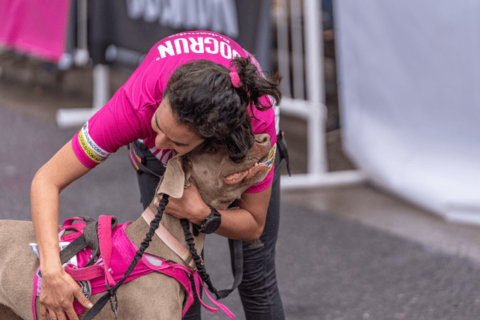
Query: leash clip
x=114, y=304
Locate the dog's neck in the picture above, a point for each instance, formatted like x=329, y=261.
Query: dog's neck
x=137, y=231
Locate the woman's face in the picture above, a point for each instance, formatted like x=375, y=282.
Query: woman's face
x=171, y=134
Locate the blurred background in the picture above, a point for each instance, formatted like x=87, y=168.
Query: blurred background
x=381, y=111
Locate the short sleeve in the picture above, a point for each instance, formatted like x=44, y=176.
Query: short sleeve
x=125, y=118
x=115, y=125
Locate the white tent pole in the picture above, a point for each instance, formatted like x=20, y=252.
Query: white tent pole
x=297, y=49
x=101, y=92
x=76, y=117
x=317, y=157
x=82, y=55
x=282, y=46
x=313, y=51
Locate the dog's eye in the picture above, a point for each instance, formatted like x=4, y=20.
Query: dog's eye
x=211, y=150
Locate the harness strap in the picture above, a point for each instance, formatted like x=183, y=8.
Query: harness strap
x=69, y=223
x=88, y=238
x=90, y=233
x=87, y=273
x=282, y=148
x=137, y=157
x=72, y=249
x=105, y=240
x=169, y=240
x=198, y=284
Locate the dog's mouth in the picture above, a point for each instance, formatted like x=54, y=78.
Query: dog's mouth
x=252, y=170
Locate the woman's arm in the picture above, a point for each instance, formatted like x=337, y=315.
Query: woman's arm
x=244, y=224
x=58, y=288
x=247, y=223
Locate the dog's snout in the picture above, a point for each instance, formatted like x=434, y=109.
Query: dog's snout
x=263, y=139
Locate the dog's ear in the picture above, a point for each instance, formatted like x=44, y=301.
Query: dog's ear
x=187, y=166
x=173, y=181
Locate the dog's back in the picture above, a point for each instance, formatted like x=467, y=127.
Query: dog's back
x=18, y=264
x=17, y=267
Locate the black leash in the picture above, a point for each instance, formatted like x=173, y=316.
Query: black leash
x=202, y=272
x=237, y=262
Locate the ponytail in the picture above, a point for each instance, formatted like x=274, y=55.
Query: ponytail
x=253, y=85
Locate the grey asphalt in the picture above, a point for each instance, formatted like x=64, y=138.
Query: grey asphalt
x=328, y=267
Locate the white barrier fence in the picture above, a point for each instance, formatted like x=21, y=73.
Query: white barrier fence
x=409, y=73
x=313, y=108
x=76, y=117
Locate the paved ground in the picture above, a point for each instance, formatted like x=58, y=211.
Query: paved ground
x=344, y=253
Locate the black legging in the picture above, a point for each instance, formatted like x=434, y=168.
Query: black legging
x=258, y=290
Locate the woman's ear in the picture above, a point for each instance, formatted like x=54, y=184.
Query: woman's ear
x=173, y=182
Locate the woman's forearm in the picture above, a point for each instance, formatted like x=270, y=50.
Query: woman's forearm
x=50, y=180
x=247, y=222
x=240, y=224
x=45, y=205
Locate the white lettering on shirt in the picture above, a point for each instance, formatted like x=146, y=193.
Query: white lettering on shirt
x=223, y=47
x=168, y=49
x=215, y=45
x=177, y=45
x=197, y=46
x=200, y=45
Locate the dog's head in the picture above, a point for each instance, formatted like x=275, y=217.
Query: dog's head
x=219, y=180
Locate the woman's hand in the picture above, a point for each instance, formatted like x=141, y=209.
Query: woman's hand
x=190, y=206
x=245, y=223
x=57, y=295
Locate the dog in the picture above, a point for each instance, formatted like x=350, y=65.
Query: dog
x=220, y=182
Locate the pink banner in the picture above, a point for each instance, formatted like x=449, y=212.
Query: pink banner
x=35, y=27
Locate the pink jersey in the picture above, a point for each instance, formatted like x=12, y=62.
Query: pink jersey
x=127, y=116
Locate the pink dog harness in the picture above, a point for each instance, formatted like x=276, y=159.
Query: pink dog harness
x=117, y=251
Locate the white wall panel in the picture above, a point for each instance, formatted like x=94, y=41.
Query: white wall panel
x=409, y=81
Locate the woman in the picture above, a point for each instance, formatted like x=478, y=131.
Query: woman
x=187, y=92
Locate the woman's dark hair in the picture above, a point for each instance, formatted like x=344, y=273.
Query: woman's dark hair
x=202, y=96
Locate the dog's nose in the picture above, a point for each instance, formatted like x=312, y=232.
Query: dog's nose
x=263, y=139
